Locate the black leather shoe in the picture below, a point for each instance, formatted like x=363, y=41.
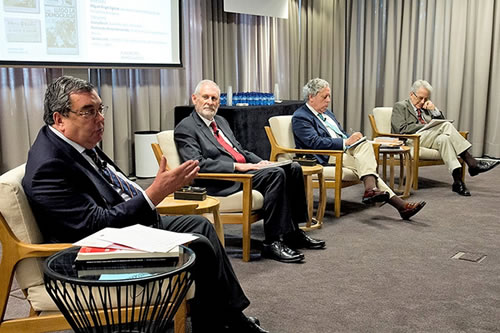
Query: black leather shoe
x=278, y=250
x=482, y=166
x=374, y=195
x=245, y=324
x=460, y=188
x=300, y=240
x=410, y=209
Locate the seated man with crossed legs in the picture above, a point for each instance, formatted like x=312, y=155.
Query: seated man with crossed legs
x=315, y=127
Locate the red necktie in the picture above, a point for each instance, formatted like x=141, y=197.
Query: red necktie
x=236, y=156
x=420, y=117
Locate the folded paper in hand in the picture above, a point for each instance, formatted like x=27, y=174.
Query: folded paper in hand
x=434, y=122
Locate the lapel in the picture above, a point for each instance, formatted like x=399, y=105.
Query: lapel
x=411, y=110
x=208, y=133
x=103, y=188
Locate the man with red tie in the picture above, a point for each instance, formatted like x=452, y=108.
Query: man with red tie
x=205, y=137
x=414, y=113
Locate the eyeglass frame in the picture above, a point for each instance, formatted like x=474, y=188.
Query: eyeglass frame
x=425, y=99
x=92, y=112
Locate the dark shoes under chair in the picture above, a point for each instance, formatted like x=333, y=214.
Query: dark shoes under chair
x=482, y=166
x=285, y=251
x=279, y=251
x=460, y=188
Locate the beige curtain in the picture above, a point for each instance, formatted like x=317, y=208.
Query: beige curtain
x=369, y=51
x=372, y=51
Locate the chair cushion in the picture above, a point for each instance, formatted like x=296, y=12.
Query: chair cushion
x=329, y=174
x=281, y=127
x=383, y=117
x=167, y=144
x=15, y=208
x=233, y=203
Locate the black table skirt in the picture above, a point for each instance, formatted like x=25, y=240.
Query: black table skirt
x=248, y=122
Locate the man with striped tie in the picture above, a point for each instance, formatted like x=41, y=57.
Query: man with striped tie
x=74, y=190
x=315, y=127
x=414, y=113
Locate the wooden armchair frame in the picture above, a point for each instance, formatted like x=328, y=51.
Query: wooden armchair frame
x=13, y=251
x=417, y=162
x=337, y=183
x=246, y=217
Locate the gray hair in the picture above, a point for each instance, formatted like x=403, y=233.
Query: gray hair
x=419, y=84
x=202, y=83
x=313, y=87
x=57, y=96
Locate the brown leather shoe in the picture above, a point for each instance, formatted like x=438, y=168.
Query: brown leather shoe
x=375, y=195
x=411, y=208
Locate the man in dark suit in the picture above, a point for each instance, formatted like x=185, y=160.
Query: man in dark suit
x=205, y=137
x=414, y=113
x=75, y=190
x=315, y=127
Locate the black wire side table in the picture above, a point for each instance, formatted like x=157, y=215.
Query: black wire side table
x=121, y=298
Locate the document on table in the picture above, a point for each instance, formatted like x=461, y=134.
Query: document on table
x=139, y=237
x=434, y=122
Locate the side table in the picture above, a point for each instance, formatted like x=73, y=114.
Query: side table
x=120, y=298
x=171, y=206
x=308, y=172
x=405, y=169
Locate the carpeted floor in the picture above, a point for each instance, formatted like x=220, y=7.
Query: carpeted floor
x=380, y=274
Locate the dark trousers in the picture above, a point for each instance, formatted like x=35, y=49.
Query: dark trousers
x=284, y=194
x=218, y=290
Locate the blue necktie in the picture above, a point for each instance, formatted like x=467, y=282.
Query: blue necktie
x=111, y=176
x=333, y=128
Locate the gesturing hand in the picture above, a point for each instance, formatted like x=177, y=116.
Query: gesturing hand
x=168, y=181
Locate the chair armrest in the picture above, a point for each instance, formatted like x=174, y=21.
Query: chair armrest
x=236, y=177
x=401, y=136
x=40, y=250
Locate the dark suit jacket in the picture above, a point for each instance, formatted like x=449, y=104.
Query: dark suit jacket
x=405, y=121
x=69, y=198
x=195, y=141
x=310, y=132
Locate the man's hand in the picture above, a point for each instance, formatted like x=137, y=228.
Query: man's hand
x=429, y=106
x=353, y=138
x=167, y=182
x=244, y=167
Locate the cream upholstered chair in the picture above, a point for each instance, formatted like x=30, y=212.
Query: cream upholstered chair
x=22, y=254
x=280, y=136
x=243, y=207
x=380, y=122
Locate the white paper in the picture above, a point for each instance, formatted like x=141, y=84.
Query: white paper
x=139, y=237
x=276, y=164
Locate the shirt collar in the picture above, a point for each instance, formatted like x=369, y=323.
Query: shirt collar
x=73, y=144
x=206, y=121
x=312, y=110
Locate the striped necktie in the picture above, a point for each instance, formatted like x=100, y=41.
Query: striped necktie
x=420, y=117
x=333, y=128
x=111, y=176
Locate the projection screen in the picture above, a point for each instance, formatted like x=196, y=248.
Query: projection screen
x=90, y=33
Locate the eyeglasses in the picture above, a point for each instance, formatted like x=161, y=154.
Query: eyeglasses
x=425, y=99
x=91, y=113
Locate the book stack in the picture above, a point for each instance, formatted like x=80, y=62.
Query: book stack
x=127, y=251
x=118, y=259
x=388, y=142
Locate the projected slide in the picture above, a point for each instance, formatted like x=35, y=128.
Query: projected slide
x=90, y=31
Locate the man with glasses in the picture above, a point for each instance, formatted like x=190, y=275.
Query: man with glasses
x=75, y=190
x=414, y=113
